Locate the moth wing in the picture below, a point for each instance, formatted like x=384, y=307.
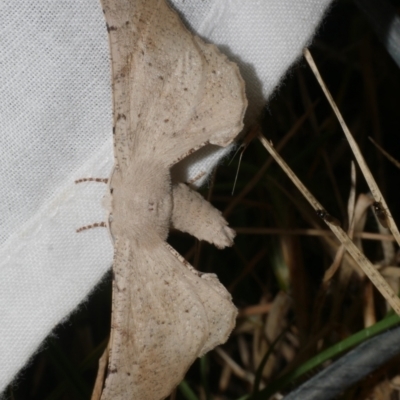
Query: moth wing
x=172, y=92
x=160, y=289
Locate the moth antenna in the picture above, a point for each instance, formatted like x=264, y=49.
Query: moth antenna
x=95, y=225
x=101, y=180
x=237, y=171
x=233, y=157
x=246, y=141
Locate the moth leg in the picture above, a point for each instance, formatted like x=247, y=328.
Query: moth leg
x=193, y=214
x=106, y=204
x=101, y=180
x=95, y=225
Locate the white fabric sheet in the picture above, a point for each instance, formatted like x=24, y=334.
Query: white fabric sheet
x=55, y=119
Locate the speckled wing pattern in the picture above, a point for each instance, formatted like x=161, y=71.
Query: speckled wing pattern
x=172, y=94
x=173, y=315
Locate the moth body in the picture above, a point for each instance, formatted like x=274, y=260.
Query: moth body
x=141, y=201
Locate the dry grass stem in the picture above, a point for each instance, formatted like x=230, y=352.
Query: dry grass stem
x=310, y=232
x=357, y=255
x=350, y=212
x=255, y=310
x=376, y=193
x=385, y=153
x=235, y=367
x=101, y=373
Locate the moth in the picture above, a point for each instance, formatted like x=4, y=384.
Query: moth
x=172, y=94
